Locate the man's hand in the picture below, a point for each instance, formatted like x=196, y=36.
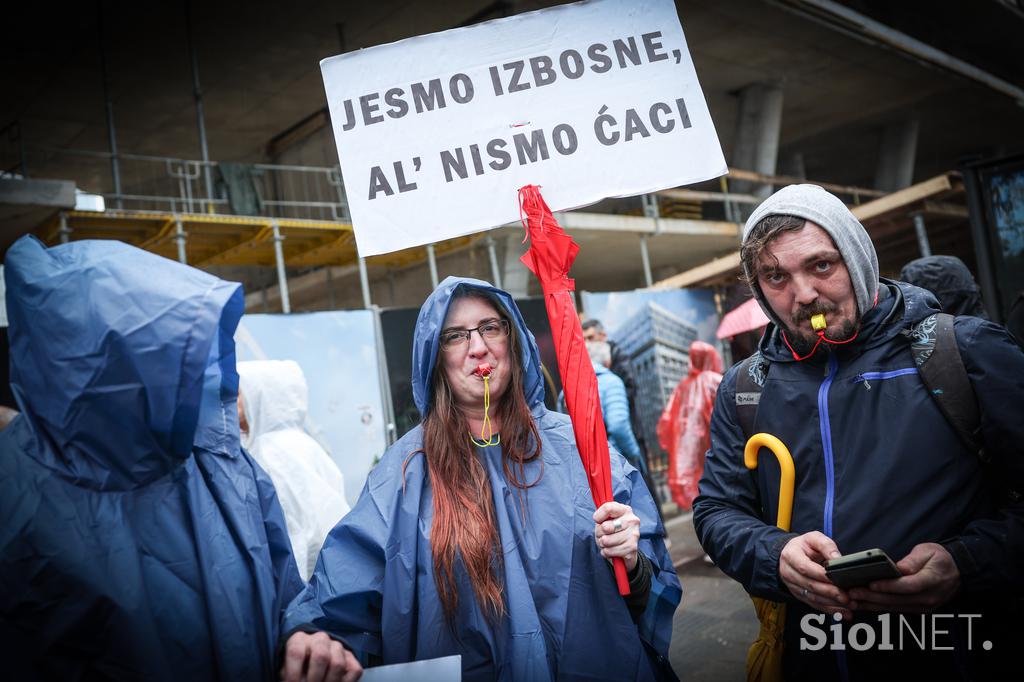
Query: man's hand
x=617, y=532
x=930, y=579
x=318, y=658
x=801, y=570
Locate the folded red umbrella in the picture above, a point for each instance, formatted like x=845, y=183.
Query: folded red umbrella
x=549, y=257
x=743, y=318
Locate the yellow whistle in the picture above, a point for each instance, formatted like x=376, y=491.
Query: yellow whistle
x=818, y=322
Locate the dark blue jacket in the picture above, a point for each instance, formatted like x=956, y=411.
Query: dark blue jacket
x=374, y=583
x=877, y=464
x=138, y=541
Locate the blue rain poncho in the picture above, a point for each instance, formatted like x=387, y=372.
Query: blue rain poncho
x=138, y=542
x=374, y=583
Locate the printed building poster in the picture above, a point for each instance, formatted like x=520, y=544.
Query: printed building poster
x=654, y=329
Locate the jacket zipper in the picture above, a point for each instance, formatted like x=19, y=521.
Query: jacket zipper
x=826, y=441
x=830, y=474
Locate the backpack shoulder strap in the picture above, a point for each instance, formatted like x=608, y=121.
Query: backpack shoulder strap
x=937, y=356
x=750, y=378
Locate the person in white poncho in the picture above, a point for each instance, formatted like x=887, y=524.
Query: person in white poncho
x=273, y=402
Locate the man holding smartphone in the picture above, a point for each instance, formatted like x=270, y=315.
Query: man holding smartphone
x=839, y=378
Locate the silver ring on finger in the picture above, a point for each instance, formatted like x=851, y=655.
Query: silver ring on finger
x=617, y=525
x=805, y=593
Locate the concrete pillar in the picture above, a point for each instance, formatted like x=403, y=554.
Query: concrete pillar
x=515, y=278
x=756, y=147
x=896, y=156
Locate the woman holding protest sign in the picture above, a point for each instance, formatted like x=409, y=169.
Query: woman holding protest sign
x=476, y=535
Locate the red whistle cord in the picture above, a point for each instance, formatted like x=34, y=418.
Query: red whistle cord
x=821, y=337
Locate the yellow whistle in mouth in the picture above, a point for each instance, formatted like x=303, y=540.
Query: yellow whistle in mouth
x=818, y=322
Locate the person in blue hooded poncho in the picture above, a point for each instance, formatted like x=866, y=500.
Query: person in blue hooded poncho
x=475, y=535
x=139, y=541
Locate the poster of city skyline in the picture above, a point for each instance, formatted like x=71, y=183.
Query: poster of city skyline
x=654, y=330
x=695, y=307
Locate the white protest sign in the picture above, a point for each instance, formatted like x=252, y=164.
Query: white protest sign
x=590, y=100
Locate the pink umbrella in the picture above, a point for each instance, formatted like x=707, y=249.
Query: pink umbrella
x=744, y=318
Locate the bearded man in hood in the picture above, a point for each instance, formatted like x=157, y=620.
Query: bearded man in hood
x=877, y=463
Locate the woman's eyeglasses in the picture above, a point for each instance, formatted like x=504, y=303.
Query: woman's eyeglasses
x=491, y=329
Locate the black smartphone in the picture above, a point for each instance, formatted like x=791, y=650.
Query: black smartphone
x=860, y=568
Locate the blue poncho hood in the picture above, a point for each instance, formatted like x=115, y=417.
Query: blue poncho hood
x=116, y=398
x=140, y=541
x=428, y=332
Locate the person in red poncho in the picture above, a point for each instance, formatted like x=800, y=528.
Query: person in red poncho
x=683, y=427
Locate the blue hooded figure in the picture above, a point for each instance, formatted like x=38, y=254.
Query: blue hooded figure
x=475, y=534
x=139, y=542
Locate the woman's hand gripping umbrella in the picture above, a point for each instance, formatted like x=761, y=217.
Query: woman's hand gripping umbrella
x=764, y=660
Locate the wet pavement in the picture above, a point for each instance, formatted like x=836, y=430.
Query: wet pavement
x=715, y=623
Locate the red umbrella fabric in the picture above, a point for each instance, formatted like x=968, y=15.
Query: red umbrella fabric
x=549, y=257
x=743, y=318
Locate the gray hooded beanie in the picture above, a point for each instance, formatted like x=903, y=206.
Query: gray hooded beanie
x=822, y=208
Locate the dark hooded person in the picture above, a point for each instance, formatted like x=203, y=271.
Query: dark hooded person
x=838, y=377
x=476, y=534
x=138, y=540
x=949, y=279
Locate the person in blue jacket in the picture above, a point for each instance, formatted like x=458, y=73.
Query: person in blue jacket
x=877, y=464
x=138, y=541
x=614, y=405
x=476, y=534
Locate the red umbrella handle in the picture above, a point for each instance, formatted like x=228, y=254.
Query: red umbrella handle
x=620, y=575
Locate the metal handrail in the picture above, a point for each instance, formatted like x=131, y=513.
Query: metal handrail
x=275, y=190
x=312, y=192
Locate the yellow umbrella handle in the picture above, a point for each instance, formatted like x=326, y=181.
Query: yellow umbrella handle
x=781, y=452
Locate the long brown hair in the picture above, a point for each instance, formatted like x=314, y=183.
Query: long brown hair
x=464, y=522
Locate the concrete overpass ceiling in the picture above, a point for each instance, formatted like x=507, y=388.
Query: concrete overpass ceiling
x=848, y=153
x=258, y=66
x=986, y=34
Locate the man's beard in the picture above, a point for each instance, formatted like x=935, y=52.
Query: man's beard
x=803, y=339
